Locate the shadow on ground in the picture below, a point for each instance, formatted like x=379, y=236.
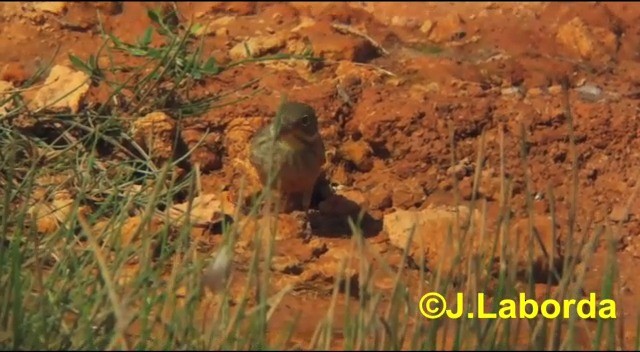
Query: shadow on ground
x=339, y=215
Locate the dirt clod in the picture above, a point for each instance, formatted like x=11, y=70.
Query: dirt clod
x=62, y=91
x=359, y=153
x=619, y=213
x=546, y=250
x=49, y=216
x=330, y=44
x=5, y=91
x=155, y=133
x=447, y=29
x=55, y=7
x=583, y=41
x=431, y=239
x=257, y=46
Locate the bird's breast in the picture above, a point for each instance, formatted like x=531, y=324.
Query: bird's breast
x=296, y=161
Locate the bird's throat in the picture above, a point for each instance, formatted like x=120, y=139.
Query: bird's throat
x=297, y=140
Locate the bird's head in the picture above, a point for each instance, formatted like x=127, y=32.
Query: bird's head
x=297, y=120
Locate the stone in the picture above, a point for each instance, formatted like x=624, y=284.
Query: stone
x=447, y=29
x=407, y=194
x=207, y=150
x=435, y=233
x=518, y=244
x=54, y=7
x=155, y=132
x=5, y=91
x=380, y=196
x=63, y=90
x=619, y=213
x=330, y=44
x=426, y=27
x=585, y=42
x=258, y=46
x=359, y=153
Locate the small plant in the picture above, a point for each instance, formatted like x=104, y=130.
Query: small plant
x=172, y=68
x=174, y=55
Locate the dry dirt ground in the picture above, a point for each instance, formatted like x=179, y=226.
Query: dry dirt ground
x=395, y=78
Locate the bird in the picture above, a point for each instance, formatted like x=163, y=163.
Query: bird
x=289, y=153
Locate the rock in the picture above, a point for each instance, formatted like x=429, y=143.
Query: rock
x=437, y=237
x=317, y=248
x=447, y=29
x=222, y=32
x=385, y=283
x=340, y=175
x=326, y=270
x=240, y=8
x=555, y=89
x=426, y=27
x=432, y=87
x=109, y=7
x=619, y=213
x=305, y=22
x=207, y=151
x=534, y=92
x=222, y=21
x=291, y=225
x=5, y=92
x=589, y=92
x=462, y=169
x=490, y=187
x=407, y=194
x=514, y=91
x=359, y=153
x=380, y=196
x=219, y=24
x=14, y=73
x=54, y=7
x=584, y=42
x=49, y=216
x=130, y=230
x=518, y=244
x=330, y=44
x=79, y=16
x=287, y=264
x=63, y=90
x=402, y=21
x=349, y=73
x=238, y=135
x=576, y=36
x=379, y=122
x=155, y=132
x=284, y=226
x=203, y=210
x=435, y=233
x=258, y=46
x=465, y=186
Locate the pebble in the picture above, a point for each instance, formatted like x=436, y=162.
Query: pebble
x=619, y=214
x=589, y=92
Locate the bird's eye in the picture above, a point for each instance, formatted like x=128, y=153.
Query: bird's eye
x=306, y=120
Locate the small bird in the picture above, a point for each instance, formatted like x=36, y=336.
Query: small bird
x=292, y=149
